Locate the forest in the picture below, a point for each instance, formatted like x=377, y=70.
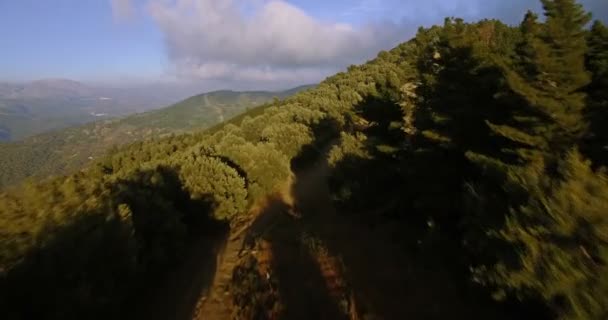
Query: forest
x=470, y=160
x=67, y=150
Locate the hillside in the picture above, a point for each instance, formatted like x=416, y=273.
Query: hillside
x=36, y=107
x=205, y=110
x=460, y=175
x=65, y=150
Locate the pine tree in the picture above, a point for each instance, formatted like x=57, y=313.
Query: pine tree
x=597, y=64
x=561, y=240
x=553, y=203
x=529, y=28
x=539, y=112
x=544, y=83
x=597, y=59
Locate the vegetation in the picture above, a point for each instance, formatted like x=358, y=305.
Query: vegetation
x=597, y=105
x=70, y=149
x=479, y=143
x=35, y=107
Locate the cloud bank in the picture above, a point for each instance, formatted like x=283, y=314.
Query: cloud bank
x=273, y=41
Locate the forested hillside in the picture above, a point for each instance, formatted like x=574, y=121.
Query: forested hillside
x=36, y=107
x=66, y=150
x=464, y=174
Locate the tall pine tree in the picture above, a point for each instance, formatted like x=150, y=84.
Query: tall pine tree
x=544, y=83
x=597, y=64
x=553, y=202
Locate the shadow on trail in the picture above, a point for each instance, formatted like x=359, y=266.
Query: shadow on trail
x=394, y=227
x=383, y=278
x=300, y=287
x=388, y=278
x=288, y=280
x=177, y=294
x=391, y=217
x=394, y=261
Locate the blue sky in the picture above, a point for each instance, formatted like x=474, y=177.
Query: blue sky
x=76, y=39
x=217, y=41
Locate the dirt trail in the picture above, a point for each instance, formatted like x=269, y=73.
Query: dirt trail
x=327, y=265
x=175, y=295
x=216, y=302
x=198, y=288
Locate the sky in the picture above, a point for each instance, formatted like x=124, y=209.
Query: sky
x=219, y=43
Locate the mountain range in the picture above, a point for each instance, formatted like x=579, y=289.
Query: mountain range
x=63, y=150
x=39, y=106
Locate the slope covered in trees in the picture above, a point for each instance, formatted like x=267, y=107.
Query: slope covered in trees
x=36, y=107
x=475, y=148
x=66, y=150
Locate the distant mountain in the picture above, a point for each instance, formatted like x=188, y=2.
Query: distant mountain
x=49, y=88
x=60, y=151
x=35, y=107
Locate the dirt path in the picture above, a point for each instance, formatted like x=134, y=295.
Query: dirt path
x=218, y=109
x=326, y=264
x=175, y=296
x=215, y=303
x=272, y=220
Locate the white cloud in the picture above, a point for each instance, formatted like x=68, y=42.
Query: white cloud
x=239, y=42
x=122, y=10
x=216, y=39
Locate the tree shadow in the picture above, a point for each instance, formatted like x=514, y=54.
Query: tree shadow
x=595, y=144
x=393, y=217
x=287, y=281
x=395, y=267
x=325, y=134
x=176, y=294
x=292, y=271
x=146, y=251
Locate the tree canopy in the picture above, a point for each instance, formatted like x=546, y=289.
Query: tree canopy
x=488, y=140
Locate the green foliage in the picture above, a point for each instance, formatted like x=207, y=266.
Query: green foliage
x=251, y=128
x=206, y=176
x=70, y=149
x=495, y=111
x=463, y=136
x=266, y=167
x=540, y=198
x=548, y=80
x=137, y=205
x=560, y=235
x=597, y=110
x=80, y=244
x=349, y=146
x=289, y=138
x=597, y=56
